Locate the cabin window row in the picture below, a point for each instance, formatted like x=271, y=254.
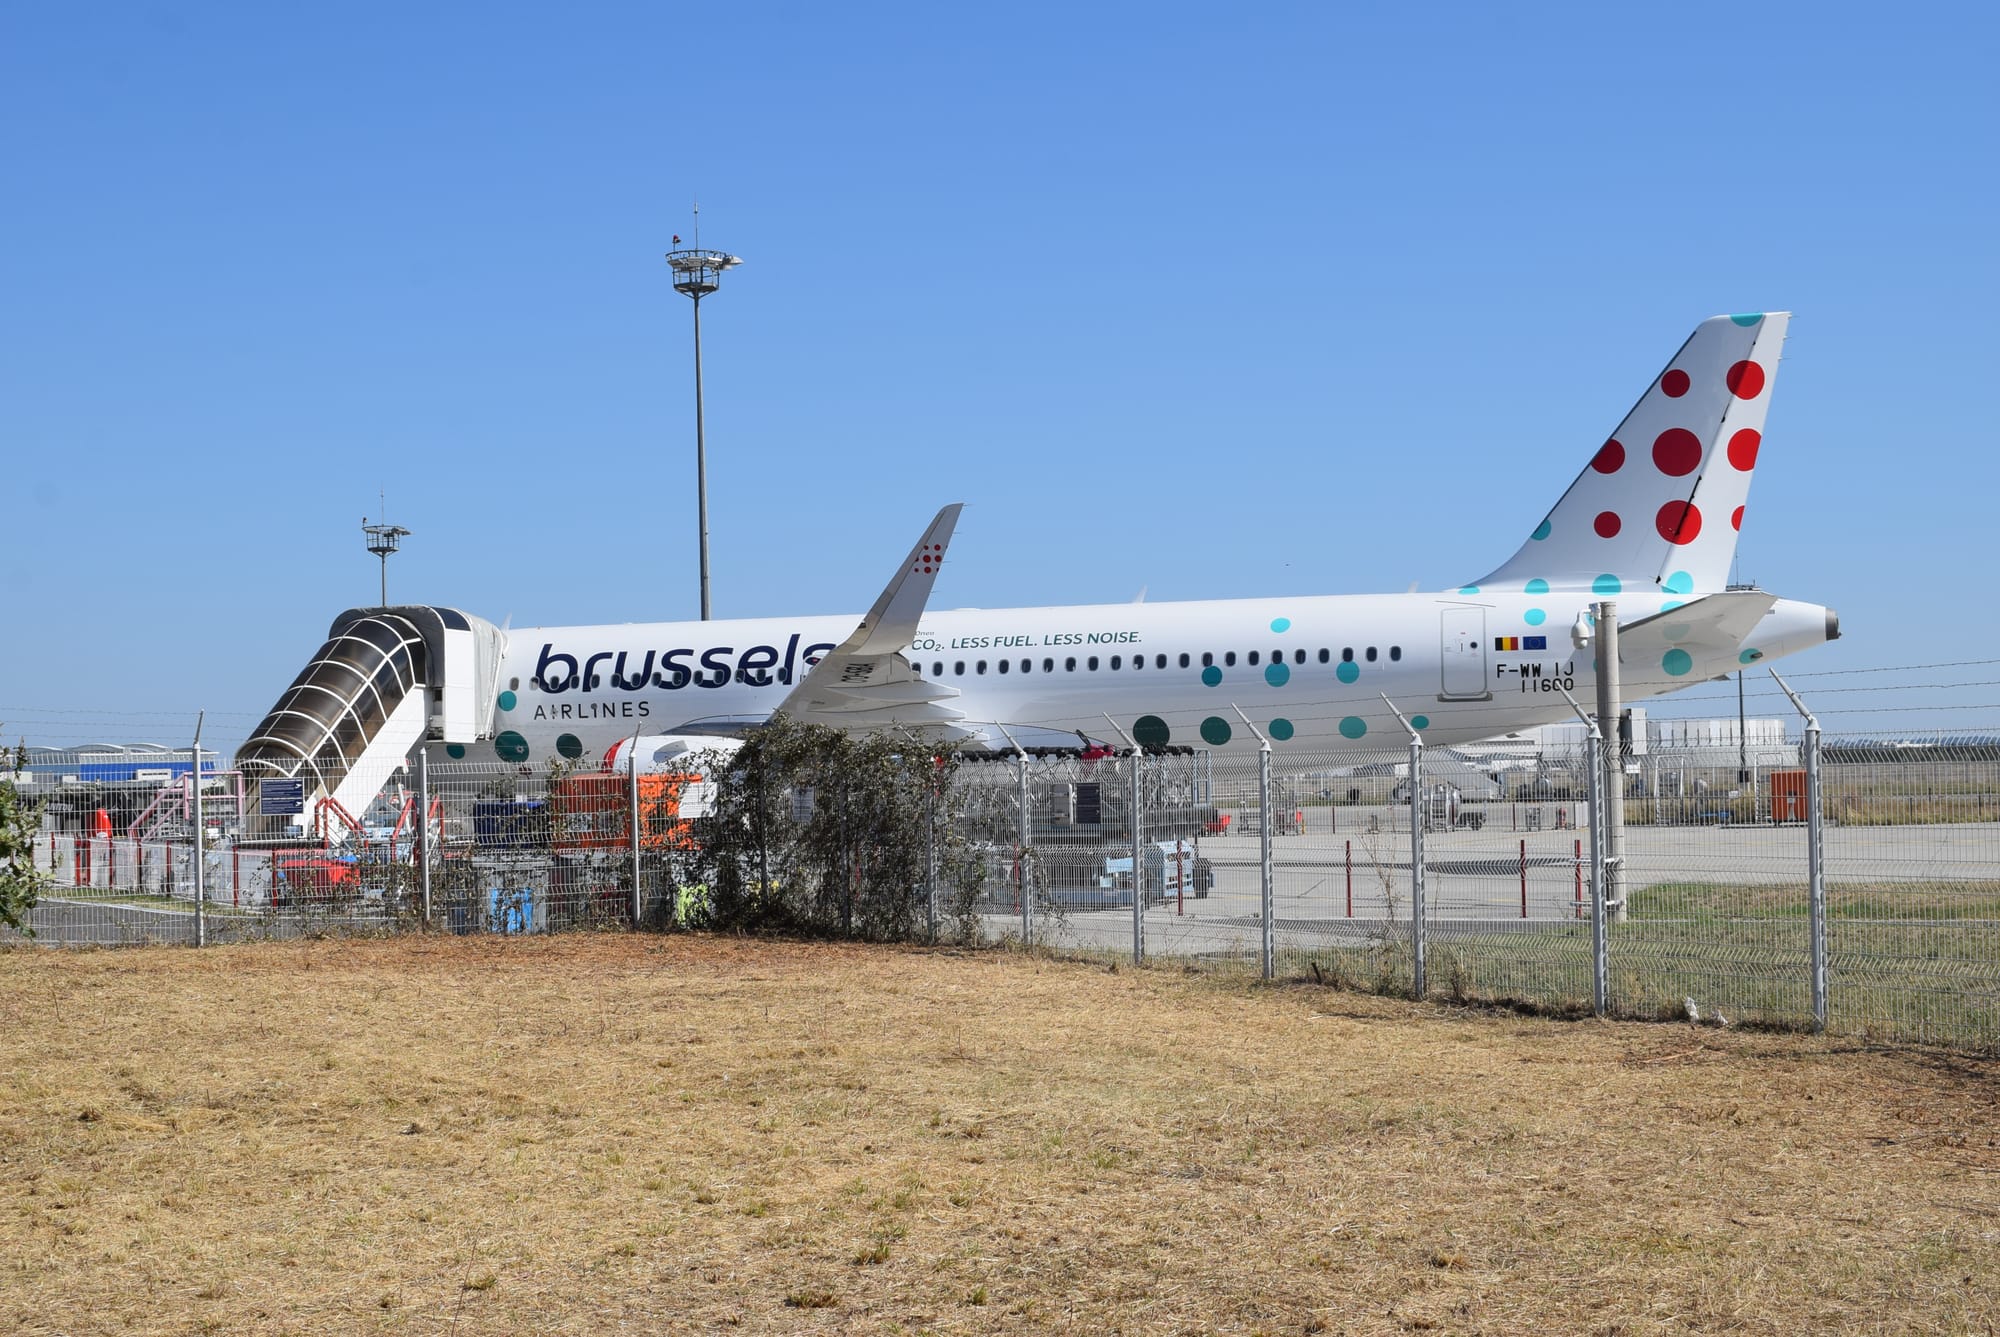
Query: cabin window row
x=1091, y=663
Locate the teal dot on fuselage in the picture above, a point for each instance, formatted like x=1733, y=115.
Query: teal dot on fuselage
x=1348, y=671
x=1748, y=318
x=1468, y=589
x=1542, y=531
x=1677, y=662
x=510, y=746
x=570, y=746
x=1534, y=617
x=1353, y=727
x=1215, y=731
x=1749, y=656
x=507, y=700
x=1281, y=730
x=1151, y=731
x=1671, y=604
x=1680, y=582
x=456, y=751
x=1606, y=584
x=1420, y=721
x=1281, y=624
x=1536, y=586
x=1212, y=675
x=1277, y=674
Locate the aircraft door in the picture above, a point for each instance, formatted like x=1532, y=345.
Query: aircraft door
x=1463, y=656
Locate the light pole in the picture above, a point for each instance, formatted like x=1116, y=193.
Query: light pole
x=698, y=273
x=383, y=539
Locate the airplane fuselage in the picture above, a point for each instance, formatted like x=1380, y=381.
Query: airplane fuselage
x=1310, y=673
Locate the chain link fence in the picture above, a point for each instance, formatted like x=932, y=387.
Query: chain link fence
x=1849, y=883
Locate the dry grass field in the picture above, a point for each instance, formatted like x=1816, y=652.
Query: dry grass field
x=603, y=1134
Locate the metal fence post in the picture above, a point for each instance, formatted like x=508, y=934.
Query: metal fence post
x=1815, y=855
x=1418, y=947
x=1610, y=709
x=1600, y=944
x=1021, y=862
x=424, y=829
x=1417, y=943
x=632, y=776
x=200, y=886
x=1138, y=864
x=1138, y=861
x=930, y=867
x=1266, y=874
x=1023, y=888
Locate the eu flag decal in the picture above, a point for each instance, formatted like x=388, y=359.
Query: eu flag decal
x=1535, y=643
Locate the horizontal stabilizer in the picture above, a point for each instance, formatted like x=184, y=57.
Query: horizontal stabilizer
x=1699, y=639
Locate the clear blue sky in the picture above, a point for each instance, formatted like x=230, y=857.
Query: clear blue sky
x=1214, y=301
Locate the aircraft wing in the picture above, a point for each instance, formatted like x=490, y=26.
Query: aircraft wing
x=866, y=682
x=1709, y=628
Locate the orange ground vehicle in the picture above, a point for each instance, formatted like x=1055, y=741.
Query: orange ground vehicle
x=300, y=876
x=594, y=810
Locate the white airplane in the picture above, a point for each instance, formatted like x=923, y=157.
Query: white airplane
x=1651, y=521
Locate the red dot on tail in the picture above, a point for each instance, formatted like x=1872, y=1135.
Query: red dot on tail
x=1679, y=522
x=1743, y=449
x=1608, y=524
x=1674, y=383
x=1677, y=452
x=1736, y=520
x=1610, y=458
x=1746, y=380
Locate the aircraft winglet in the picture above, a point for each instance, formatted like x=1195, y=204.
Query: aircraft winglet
x=866, y=680
x=892, y=622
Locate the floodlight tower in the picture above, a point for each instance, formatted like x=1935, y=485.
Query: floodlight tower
x=698, y=273
x=383, y=539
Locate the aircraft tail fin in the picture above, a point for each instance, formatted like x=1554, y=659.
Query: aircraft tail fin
x=1659, y=505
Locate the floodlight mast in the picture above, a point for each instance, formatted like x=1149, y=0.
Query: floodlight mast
x=383, y=539
x=698, y=273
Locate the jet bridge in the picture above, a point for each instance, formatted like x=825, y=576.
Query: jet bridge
x=386, y=679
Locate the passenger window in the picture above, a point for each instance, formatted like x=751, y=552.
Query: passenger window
x=1347, y=655
x=1069, y=664
x=1371, y=654
x=958, y=667
x=1229, y=658
x=1207, y=659
x=1395, y=652
x=1092, y=663
x=1117, y=660
x=1003, y=665
x=1048, y=666
x=980, y=667
x=1253, y=659
x=1324, y=654
x=937, y=670
x=1138, y=661
x=1298, y=656
x=1160, y=661
x=1184, y=659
